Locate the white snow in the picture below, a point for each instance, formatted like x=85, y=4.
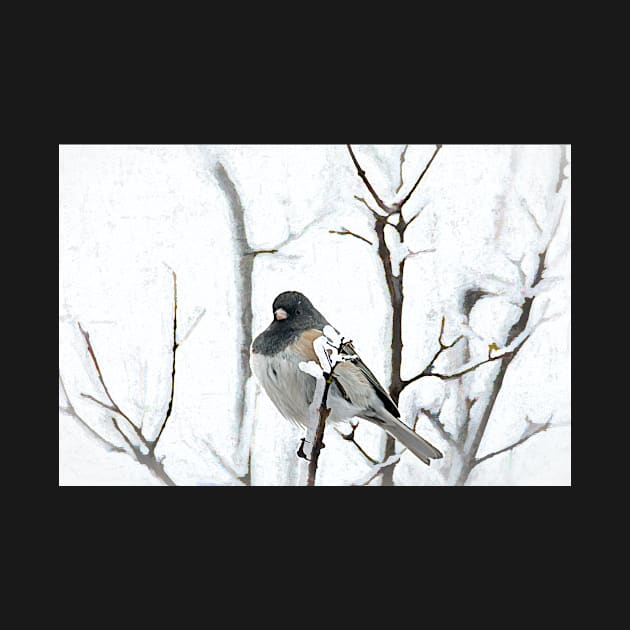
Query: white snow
x=124, y=211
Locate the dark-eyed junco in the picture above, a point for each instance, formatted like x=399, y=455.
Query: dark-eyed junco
x=275, y=357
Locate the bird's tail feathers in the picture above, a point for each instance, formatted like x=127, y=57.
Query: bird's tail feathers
x=407, y=437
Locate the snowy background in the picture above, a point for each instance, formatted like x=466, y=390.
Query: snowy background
x=130, y=214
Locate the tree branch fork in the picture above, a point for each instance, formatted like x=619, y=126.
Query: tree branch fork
x=142, y=449
x=328, y=348
x=518, y=335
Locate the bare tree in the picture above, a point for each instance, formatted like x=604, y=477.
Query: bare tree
x=245, y=258
x=470, y=432
x=137, y=445
x=391, y=215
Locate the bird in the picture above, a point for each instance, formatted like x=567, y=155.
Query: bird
x=275, y=357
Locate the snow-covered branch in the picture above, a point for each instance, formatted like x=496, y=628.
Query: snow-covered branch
x=143, y=450
x=378, y=469
x=392, y=255
x=402, y=161
x=400, y=204
x=328, y=349
x=531, y=429
x=71, y=411
x=434, y=418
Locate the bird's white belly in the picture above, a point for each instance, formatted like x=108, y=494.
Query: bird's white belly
x=291, y=390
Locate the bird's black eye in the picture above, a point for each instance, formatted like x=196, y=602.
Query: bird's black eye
x=298, y=311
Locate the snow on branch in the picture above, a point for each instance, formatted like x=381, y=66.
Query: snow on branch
x=393, y=254
x=531, y=429
x=71, y=411
x=378, y=469
x=434, y=418
x=400, y=204
x=397, y=205
x=328, y=349
x=143, y=450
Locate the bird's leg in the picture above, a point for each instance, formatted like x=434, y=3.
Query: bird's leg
x=301, y=452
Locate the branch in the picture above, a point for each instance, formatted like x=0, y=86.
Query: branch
x=376, y=215
x=350, y=438
x=345, y=232
x=294, y=236
x=192, y=327
x=379, y=469
x=260, y=251
x=147, y=459
x=175, y=346
x=531, y=430
x=511, y=352
x=243, y=273
x=438, y=424
x=383, y=206
x=99, y=402
x=443, y=347
x=114, y=406
x=223, y=463
x=328, y=349
x=531, y=215
x=133, y=447
x=426, y=168
x=414, y=217
x=71, y=411
x=411, y=253
x=402, y=159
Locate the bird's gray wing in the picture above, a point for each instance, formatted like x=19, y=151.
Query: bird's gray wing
x=388, y=403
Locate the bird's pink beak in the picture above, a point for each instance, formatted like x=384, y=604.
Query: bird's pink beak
x=280, y=314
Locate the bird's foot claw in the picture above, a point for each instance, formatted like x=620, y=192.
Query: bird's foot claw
x=301, y=452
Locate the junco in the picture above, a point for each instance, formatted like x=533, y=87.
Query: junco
x=288, y=341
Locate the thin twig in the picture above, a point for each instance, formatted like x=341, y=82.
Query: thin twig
x=442, y=348
x=402, y=159
x=526, y=436
x=350, y=438
x=377, y=216
x=345, y=232
x=174, y=351
x=99, y=402
x=133, y=448
x=531, y=215
x=413, y=218
x=497, y=357
x=260, y=251
x=383, y=206
x=426, y=168
x=192, y=327
x=115, y=406
x=223, y=463
x=411, y=253
x=438, y=424
x=71, y=411
x=379, y=469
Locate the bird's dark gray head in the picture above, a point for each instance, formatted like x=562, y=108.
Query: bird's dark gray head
x=293, y=313
x=293, y=309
